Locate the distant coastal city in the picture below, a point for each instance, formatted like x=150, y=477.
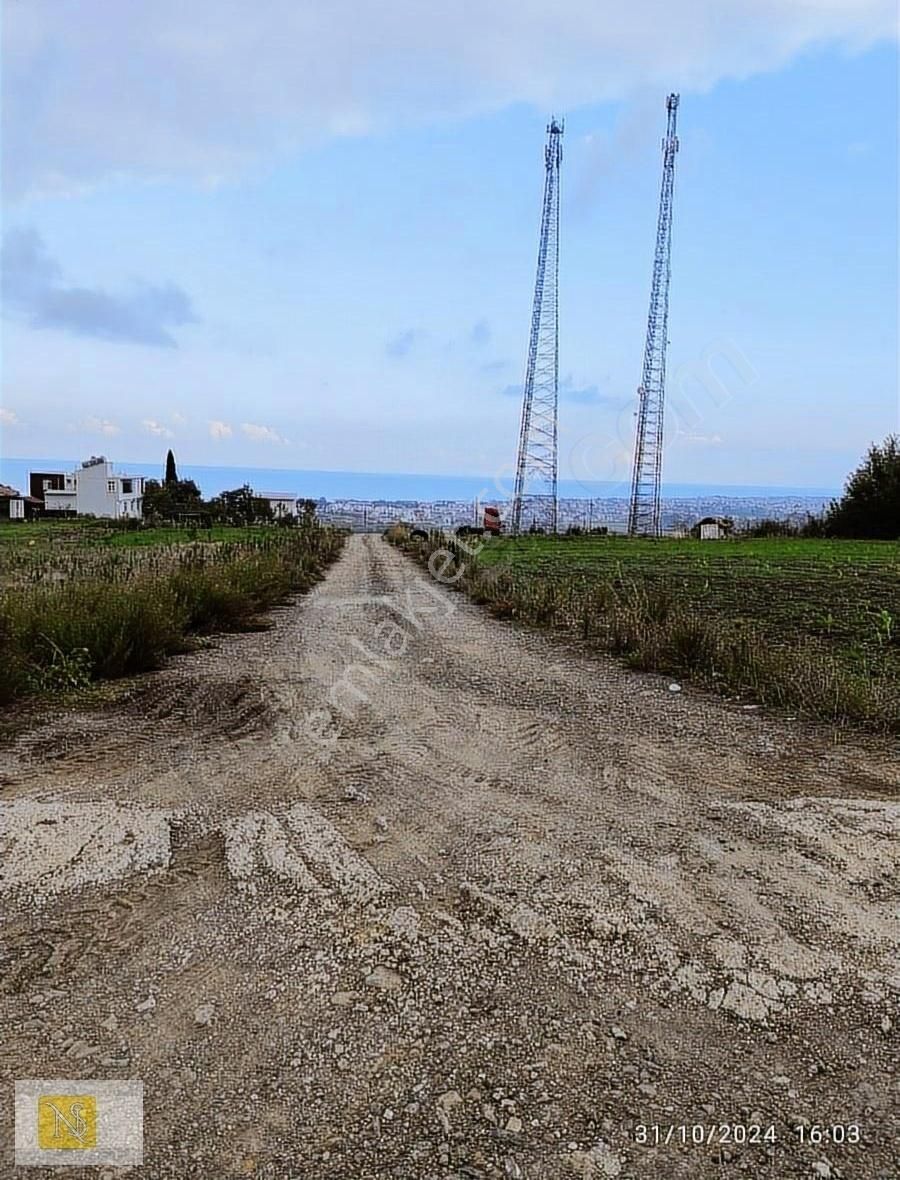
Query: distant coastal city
x=678, y=514
x=369, y=501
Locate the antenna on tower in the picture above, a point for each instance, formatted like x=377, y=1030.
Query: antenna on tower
x=535, y=496
x=643, y=512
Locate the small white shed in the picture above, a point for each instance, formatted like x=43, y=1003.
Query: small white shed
x=711, y=529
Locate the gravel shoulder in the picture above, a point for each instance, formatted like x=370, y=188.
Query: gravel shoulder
x=397, y=890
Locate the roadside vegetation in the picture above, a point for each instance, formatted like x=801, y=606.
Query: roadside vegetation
x=812, y=626
x=87, y=601
x=806, y=618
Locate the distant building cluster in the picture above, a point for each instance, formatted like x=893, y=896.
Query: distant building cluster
x=679, y=515
x=95, y=488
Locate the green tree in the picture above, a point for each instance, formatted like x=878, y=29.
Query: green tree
x=870, y=506
x=168, y=501
x=240, y=506
x=171, y=470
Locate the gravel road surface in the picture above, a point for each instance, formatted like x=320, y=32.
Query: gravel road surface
x=396, y=890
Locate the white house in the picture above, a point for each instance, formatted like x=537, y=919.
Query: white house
x=281, y=503
x=95, y=489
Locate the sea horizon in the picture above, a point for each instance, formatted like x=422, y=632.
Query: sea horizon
x=373, y=486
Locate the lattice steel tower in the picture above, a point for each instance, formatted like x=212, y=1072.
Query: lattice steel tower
x=535, y=496
x=643, y=513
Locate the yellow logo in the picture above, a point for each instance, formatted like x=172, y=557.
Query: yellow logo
x=67, y=1122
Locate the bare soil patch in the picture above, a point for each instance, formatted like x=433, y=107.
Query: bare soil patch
x=487, y=916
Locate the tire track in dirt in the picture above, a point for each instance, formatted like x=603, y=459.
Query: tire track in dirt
x=518, y=870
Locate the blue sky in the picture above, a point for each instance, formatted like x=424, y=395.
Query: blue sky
x=202, y=251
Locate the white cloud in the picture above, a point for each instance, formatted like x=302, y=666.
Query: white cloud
x=95, y=425
x=151, y=426
x=220, y=430
x=261, y=433
x=179, y=419
x=9, y=418
x=82, y=103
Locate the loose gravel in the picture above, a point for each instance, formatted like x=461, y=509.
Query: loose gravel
x=396, y=890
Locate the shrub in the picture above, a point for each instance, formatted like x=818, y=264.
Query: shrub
x=65, y=672
x=123, y=628
x=690, y=645
x=870, y=505
x=57, y=637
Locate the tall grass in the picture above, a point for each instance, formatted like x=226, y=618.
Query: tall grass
x=115, y=619
x=654, y=629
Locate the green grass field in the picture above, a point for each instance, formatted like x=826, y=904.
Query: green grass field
x=843, y=594
x=808, y=625
x=79, y=533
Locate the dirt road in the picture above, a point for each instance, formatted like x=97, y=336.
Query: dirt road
x=395, y=890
